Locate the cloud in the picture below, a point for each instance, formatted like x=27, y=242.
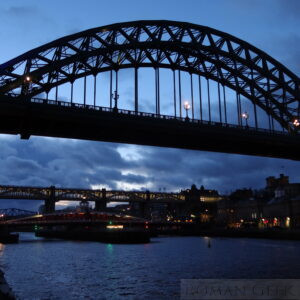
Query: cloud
x=85, y=164
x=290, y=8
x=22, y=10
x=290, y=58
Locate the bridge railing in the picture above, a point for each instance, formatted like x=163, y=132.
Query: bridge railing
x=153, y=115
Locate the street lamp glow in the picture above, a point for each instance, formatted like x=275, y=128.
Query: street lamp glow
x=245, y=116
x=296, y=123
x=28, y=78
x=186, y=106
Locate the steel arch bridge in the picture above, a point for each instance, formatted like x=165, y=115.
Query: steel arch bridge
x=204, y=53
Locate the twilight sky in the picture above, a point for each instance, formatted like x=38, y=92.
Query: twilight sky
x=271, y=25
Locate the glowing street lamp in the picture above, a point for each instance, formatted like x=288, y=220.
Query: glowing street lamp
x=296, y=123
x=245, y=116
x=186, y=106
x=27, y=78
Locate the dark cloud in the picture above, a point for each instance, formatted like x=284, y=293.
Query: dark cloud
x=289, y=9
x=70, y=163
x=290, y=58
x=23, y=11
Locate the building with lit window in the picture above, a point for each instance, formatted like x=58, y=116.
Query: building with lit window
x=278, y=205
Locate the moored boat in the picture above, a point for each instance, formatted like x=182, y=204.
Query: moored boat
x=94, y=226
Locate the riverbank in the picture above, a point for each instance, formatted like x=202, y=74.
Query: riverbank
x=214, y=231
x=252, y=233
x=5, y=290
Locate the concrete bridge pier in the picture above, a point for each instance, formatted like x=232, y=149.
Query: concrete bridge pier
x=49, y=206
x=100, y=205
x=50, y=202
x=144, y=210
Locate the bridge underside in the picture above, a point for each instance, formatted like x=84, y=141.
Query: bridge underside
x=40, y=119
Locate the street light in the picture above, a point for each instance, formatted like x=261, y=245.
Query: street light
x=245, y=116
x=186, y=106
x=296, y=123
x=28, y=78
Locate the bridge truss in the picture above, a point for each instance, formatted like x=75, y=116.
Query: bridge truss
x=198, y=50
x=221, y=70
x=65, y=194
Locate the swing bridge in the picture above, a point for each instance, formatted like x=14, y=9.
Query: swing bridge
x=240, y=99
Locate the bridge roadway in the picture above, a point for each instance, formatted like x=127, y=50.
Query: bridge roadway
x=50, y=118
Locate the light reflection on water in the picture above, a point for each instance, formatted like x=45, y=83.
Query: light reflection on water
x=57, y=269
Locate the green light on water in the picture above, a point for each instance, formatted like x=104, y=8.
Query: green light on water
x=110, y=222
x=110, y=248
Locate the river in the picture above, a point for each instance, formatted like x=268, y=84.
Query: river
x=55, y=269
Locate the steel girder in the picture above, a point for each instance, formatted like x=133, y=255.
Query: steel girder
x=182, y=46
x=69, y=194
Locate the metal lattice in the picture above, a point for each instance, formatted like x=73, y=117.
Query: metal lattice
x=182, y=46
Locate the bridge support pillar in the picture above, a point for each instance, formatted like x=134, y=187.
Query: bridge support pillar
x=144, y=210
x=50, y=202
x=49, y=206
x=100, y=205
x=144, y=207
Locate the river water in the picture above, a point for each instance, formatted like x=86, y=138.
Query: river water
x=37, y=268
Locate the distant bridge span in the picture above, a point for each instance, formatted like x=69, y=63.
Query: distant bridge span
x=206, y=55
x=72, y=194
x=101, y=197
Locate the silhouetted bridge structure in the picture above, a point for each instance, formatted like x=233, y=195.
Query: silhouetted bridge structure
x=101, y=197
x=86, y=222
x=241, y=100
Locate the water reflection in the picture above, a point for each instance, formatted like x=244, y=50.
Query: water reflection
x=43, y=269
x=2, y=247
x=109, y=248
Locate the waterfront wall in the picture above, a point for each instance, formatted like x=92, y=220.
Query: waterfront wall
x=5, y=290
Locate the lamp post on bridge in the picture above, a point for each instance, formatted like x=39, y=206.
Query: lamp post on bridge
x=186, y=106
x=245, y=116
x=296, y=122
x=26, y=86
x=115, y=97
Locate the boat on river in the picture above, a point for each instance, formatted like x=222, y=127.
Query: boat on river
x=93, y=226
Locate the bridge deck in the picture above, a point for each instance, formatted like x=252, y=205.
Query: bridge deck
x=61, y=119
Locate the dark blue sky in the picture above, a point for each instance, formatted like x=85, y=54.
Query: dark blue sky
x=270, y=25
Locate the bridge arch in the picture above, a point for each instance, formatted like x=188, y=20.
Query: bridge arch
x=196, y=49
